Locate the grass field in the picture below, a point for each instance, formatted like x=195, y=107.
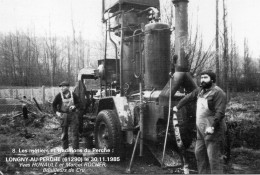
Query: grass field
x=243, y=118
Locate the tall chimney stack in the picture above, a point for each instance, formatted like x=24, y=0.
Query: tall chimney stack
x=181, y=35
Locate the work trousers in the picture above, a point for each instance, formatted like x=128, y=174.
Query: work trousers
x=209, y=156
x=70, y=120
x=80, y=117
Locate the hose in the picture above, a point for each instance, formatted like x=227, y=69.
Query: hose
x=176, y=132
x=168, y=121
x=180, y=143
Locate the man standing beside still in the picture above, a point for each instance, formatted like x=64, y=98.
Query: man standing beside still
x=65, y=105
x=210, y=123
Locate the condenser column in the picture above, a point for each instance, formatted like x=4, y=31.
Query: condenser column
x=157, y=55
x=181, y=35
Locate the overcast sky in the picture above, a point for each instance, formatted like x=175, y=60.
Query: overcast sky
x=43, y=16
x=243, y=20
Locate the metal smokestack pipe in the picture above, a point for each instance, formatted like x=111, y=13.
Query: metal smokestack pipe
x=182, y=77
x=103, y=10
x=181, y=35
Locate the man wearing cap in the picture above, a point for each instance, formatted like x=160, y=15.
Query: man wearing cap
x=210, y=124
x=64, y=105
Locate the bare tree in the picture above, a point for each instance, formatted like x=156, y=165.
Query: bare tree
x=68, y=59
x=250, y=71
x=199, y=57
x=167, y=15
x=74, y=48
x=36, y=58
x=12, y=62
x=217, y=42
x=81, y=48
x=51, y=44
x=234, y=66
x=225, y=82
x=247, y=65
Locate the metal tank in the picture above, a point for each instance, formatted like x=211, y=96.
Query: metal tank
x=157, y=55
x=129, y=82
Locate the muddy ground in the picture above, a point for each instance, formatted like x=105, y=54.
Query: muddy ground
x=42, y=132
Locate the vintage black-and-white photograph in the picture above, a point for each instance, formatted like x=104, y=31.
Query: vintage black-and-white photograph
x=129, y=87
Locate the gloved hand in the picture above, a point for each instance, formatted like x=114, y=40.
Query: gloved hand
x=209, y=130
x=175, y=109
x=58, y=114
x=72, y=108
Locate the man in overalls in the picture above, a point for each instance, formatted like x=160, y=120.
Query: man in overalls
x=210, y=124
x=65, y=105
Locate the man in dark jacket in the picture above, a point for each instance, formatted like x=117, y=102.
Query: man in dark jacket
x=80, y=91
x=65, y=106
x=210, y=123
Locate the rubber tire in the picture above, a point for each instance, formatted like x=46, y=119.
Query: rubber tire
x=108, y=126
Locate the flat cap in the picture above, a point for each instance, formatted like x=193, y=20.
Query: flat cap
x=64, y=83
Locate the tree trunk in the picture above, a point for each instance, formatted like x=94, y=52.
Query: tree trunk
x=225, y=51
x=69, y=58
x=217, y=44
